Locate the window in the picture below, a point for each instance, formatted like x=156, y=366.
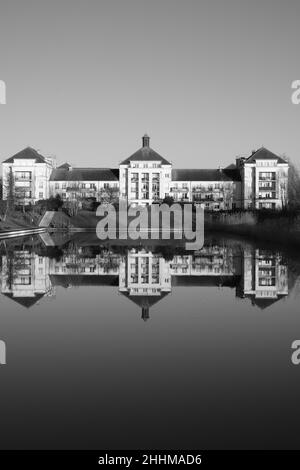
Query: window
x=56, y=185
x=41, y=195
x=106, y=185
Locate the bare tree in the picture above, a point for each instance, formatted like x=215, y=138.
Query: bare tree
x=108, y=195
x=293, y=190
x=10, y=193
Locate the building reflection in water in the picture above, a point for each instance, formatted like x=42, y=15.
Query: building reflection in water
x=145, y=275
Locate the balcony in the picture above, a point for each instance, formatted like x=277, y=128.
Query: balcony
x=267, y=178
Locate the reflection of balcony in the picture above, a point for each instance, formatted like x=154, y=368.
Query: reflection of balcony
x=179, y=190
x=267, y=178
x=270, y=187
x=18, y=178
x=267, y=196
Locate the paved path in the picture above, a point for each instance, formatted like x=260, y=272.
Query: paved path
x=46, y=219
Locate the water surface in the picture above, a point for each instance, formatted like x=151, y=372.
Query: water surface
x=148, y=346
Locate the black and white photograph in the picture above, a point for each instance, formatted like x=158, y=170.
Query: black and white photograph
x=149, y=233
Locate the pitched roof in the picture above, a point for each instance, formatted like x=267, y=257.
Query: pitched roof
x=65, y=165
x=84, y=174
x=226, y=174
x=145, y=154
x=264, y=154
x=27, y=154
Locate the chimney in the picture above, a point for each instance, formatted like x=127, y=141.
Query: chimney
x=146, y=140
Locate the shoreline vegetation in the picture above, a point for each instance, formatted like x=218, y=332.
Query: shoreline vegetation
x=281, y=227
x=271, y=226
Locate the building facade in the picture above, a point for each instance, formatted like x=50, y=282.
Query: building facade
x=31, y=174
x=255, y=182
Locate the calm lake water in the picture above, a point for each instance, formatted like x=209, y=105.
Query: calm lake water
x=148, y=346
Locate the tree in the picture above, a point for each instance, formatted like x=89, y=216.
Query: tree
x=108, y=195
x=54, y=203
x=293, y=187
x=169, y=200
x=10, y=193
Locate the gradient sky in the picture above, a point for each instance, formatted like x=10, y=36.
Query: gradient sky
x=206, y=79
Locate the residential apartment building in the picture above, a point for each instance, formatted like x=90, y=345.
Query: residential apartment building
x=31, y=176
x=255, y=182
x=73, y=183
x=264, y=178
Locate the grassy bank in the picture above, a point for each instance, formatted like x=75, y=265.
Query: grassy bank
x=18, y=220
x=283, y=228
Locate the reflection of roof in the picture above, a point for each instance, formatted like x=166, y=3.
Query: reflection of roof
x=66, y=280
x=264, y=154
x=27, y=154
x=206, y=281
x=84, y=174
x=25, y=301
x=145, y=154
x=225, y=174
x=145, y=301
x=265, y=303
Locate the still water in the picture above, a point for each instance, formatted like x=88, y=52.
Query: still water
x=148, y=346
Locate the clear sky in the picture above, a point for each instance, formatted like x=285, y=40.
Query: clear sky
x=206, y=79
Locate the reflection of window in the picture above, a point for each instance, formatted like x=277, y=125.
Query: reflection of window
x=23, y=281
